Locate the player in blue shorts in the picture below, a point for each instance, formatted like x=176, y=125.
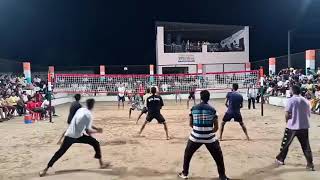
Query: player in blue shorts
x=234, y=103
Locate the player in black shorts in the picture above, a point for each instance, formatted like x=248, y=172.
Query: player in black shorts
x=154, y=104
x=191, y=96
x=234, y=103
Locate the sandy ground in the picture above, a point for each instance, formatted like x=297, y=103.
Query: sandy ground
x=26, y=149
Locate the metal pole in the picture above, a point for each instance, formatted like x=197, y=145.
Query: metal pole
x=289, y=49
x=50, y=108
x=261, y=89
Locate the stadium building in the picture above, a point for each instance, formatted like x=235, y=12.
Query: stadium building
x=192, y=48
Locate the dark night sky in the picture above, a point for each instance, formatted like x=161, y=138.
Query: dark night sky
x=93, y=32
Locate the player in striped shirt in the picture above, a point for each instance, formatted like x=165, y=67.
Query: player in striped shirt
x=204, y=122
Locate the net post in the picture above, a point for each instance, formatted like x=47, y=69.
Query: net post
x=27, y=72
x=49, y=96
x=261, y=75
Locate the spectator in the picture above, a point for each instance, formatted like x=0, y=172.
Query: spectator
x=10, y=104
x=315, y=102
x=252, y=95
x=33, y=107
x=46, y=106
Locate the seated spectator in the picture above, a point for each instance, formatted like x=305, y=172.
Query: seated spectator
x=4, y=112
x=24, y=97
x=9, y=103
x=14, y=100
x=46, y=106
x=33, y=107
x=38, y=97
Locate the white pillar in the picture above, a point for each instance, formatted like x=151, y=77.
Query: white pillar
x=311, y=60
x=199, y=68
x=248, y=66
x=27, y=72
x=272, y=65
x=102, y=70
x=50, y=77
x=151, y=69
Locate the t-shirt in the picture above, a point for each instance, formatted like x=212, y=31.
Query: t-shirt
x=121, y=91
x=31, y=105
x=299, y=108
x=203, y=118
x=81, y=121
x=235, y=100
x=154, y=104
x=73, y=109
x=12, y=101
x=45, y=104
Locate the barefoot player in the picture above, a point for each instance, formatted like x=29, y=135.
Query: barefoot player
x=191, y=96
x=204, y=121
x=154, y=104
x=234, y=103
x=144, y=109
x=137, y=104
x=79, y=131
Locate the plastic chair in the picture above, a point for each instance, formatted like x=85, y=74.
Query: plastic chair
x=36, y=116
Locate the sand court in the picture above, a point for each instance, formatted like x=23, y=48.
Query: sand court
x=26, y=149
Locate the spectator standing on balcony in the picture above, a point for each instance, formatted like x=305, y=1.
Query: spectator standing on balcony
x=297, y=114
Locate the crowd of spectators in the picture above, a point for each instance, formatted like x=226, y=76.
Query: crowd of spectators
x=17, y=97
x=196, y=46
x=279, y=85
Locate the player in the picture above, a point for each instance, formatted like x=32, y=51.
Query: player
x=130, y=94
x=204, y=121
x=72, y=111
x=121, y=92
x=154, y=104
x=234, y=103
x=191, y=96
x=136, y=104
x=297, y=114
x=144, y=109
x=141, y=91
x=79, y=131
x=177, y=92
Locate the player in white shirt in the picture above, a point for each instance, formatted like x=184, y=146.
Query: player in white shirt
x=79, y=131
x=121, y=93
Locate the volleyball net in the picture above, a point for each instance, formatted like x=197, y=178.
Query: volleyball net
x=166, y=83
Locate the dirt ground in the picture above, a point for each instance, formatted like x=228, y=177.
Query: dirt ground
x=25, y=149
